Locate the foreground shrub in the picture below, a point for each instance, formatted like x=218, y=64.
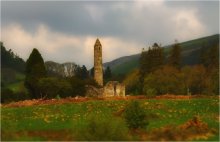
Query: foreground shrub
x=99, y=129
x=135, y=116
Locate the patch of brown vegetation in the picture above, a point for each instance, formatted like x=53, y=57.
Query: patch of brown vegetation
x=77, y=99
x=46, y=102
x=84, y=99
x=171, y=96
x=195, y=122
x=193, y=129
x=49, y=135
x=119, y=112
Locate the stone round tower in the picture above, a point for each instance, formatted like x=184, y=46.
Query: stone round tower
x=98, y=71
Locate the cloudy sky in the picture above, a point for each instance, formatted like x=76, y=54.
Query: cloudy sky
x=66, y=31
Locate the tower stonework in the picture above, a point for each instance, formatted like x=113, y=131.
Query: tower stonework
x=98, y=71
x=112, y=88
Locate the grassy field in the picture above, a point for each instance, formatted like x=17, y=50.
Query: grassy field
x=70, y=121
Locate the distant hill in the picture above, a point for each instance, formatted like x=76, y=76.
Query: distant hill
x=10, y=60
x=63, y=70
x=190, y=54
x=12, y=70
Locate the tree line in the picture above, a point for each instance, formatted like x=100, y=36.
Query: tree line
x=42, y=85
x=39, y=82
x=10, y=60
x=158, y=74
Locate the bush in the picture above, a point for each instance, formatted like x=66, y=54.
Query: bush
x=132, y=83
x=150, y=92
x=78, y=86
x=8, y=96
x=91, y=81
x=50, y=87
x=99, y=129
x=135, y=116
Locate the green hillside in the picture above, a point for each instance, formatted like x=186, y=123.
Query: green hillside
x=191, y=51
x=125, y=67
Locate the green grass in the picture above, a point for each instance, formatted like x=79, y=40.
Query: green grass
x=19, y=123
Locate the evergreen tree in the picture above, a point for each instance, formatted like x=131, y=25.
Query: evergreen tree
x=35, y=70
x=150, y=61
x=81, y=72
x=108, y=73
x=175, y=56
x=92, y=72
x=157, y=57
x=84, y=72
x=210, y=58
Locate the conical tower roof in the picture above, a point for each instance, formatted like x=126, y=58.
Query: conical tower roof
x=97, y=42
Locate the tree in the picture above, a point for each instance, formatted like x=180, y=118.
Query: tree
x=164, y=80
x=78, y=86
x=210, y=58
x=52, y=87
x=11, y=60
x=150, y=60
x=35, y=69
x=195, y=79
x=149, y=88
x=91, y=73
x=81, y=72
x=84, y=72
x=108, y=73
x=132, y=82
x=135, y=116
x=175, y=56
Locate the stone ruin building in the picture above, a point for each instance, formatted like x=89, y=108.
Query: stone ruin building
x=112, y=88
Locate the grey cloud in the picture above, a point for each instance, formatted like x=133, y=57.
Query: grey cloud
x=73, y=18
x=207, y=12
x=124, y=20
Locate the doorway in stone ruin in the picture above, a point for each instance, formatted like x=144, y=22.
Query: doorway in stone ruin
x=114, y=89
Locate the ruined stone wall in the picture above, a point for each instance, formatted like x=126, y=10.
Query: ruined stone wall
x=98, y=71
x=92, y=91
x=114, y=88
x=120, y=90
